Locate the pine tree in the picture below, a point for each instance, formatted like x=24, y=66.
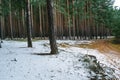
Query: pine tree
x=115, y=26
x=11, y=29
x=53, y=45
x=28, y=23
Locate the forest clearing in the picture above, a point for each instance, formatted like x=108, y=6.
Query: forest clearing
x=22, y=63
x=103, y=46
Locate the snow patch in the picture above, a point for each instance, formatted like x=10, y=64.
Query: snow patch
x=18, y=63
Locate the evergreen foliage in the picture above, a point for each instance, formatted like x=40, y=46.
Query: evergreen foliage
x=116, y=24
x=88, y=14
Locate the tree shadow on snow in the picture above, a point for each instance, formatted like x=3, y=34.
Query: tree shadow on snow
x=43, y=54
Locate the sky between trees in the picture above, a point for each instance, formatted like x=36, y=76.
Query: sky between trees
x=117, y=3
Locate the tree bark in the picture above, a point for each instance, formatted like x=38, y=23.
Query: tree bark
x=28, y=23
x=0, y=26
x=23, y=24
x=40, y=21
x=0, y=44
x=52, y=39
x=11, y=26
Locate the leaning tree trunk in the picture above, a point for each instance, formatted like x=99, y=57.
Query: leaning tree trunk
x=28, y=23
x=53, y=45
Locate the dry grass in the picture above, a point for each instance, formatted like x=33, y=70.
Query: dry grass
x=65, y=45
x=103, y=46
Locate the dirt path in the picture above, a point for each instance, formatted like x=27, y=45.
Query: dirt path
x=110, y=50
x=104, y=46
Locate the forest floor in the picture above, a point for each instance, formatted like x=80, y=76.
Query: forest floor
x=105, y=47
x=17, y=62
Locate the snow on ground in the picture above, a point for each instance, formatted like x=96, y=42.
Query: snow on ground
x=17, y=62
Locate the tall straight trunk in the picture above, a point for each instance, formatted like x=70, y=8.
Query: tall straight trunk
x=96, y=29
x=2, y=27
x=43, y=22
x=58, y=26
x=91, y=23
x=73, y=20
x=28, y=23
x=23, y=24
x=2, y=23
x=55, y=20
x=0, y=33
x=11, y=29
x=46, y=26
x=69, y=20
x=19, y=27
x=40, y=21
x=32, y=22
x=85, y=36
x=61, y=25
x=78, y=25
x=53, y=45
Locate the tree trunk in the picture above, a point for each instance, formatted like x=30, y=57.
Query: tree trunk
x=28, y=23
x=0, y=26
x=0, y=44
x=53, y=45
x=40, y=21
x=11, y=29
x=32, y=21
x=23, y=24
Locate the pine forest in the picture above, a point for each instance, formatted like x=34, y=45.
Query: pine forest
x=59, y=40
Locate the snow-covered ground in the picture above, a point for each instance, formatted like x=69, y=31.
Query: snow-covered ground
x=17, y=62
